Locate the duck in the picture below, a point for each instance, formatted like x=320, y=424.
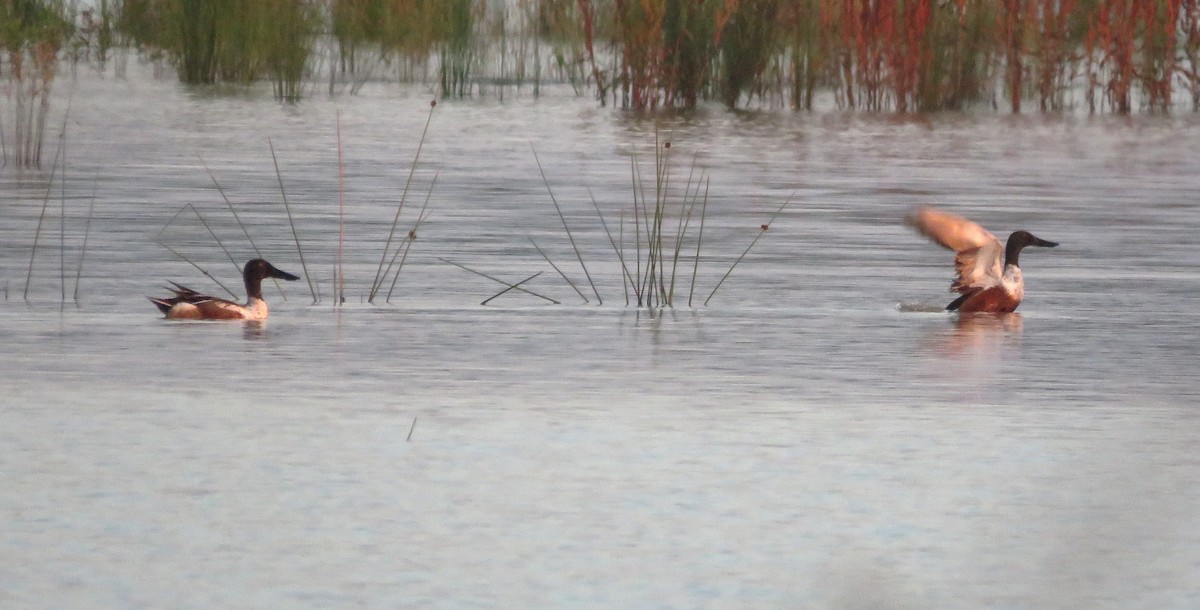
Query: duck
x=989, y=277
x=187, y=304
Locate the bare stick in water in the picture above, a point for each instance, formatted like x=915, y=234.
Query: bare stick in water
x=747, y=250
x=288, y=209
x=410, y=430
x=498, y=281
x=570, y=237
x=516, y=286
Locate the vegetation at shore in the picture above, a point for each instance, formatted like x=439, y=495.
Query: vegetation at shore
x=1115, y=56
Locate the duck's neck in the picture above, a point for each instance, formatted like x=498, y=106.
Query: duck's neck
x=253, y=289
x=1011, y=252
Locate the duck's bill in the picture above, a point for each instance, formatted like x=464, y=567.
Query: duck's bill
x=284, y=275
x=1043, y=243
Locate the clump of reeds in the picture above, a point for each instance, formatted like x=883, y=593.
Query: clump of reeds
x=664, y=238
x=876, y=55
x=31, y=37
x=229, y=41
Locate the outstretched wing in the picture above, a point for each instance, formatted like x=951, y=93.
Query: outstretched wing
x=978, y=255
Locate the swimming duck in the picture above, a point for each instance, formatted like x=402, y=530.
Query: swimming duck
x=986, y=282
x=187, y=304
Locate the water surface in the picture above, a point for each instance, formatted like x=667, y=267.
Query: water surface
x=820, y=435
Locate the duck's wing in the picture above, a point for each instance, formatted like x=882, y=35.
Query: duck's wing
x=219, y=309
x=200, y=307
x=978, y=255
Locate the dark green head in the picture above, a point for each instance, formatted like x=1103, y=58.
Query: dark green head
x=1017, y=241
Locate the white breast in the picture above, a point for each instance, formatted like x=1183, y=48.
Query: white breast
x=1013, y=281
x=256, y=309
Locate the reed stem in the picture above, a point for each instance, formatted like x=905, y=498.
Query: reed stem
x=87, y=231
x=699, y=241
x=377, y=283
x=241, y=225
x=747, y=250
x=198, y=268
x=422, y=216
x=37, y=234
x=498, y=281
x=560, y=271
x=570, y=237
x=292, y=223
x=513, y=287
x=339, y=284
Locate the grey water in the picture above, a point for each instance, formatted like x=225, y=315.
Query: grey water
x=820, y=435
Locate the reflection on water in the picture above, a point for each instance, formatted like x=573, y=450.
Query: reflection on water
x=801, y=435
x=976, y=334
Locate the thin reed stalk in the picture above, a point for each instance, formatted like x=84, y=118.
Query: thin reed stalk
x=510, y=288
x=87, y=231
x=699, y=241
x=199, y=268
x=761, y=231
x=241, y=225
x=62, y=217
x=291, y=222
x=682, y=226
x=422, y=216
x=200, y=217
x=546, y=257
x=377, y=283
x=626, y=278
x=339, y=284
x=37, y=233
x=566, y=228
x=498, y=281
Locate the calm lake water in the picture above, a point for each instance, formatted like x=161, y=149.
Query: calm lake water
x=819, y=436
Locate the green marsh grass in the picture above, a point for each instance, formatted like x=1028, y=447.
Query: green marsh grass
x=874, y=55
x=33, y=34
